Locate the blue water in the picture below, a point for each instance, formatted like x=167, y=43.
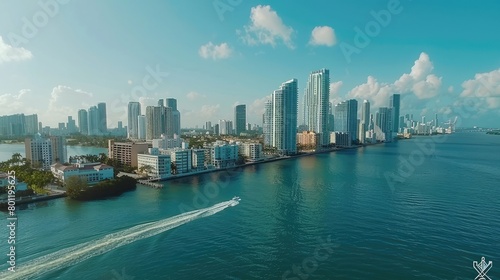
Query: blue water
x=431, y=223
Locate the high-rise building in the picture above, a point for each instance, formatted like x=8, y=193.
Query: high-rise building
x=43, y=152
x=71, y=125
x=225, y=127
x=134, y=111
x=384, y=121
x=31, y=124
x=394, y=103
x=176, y=115
x=216, y=129
x=346, y=118
x=103, y=124
x=240, y=119
x=93, y=121
x=153, y=122
x=208, y=125
x=268, y=123
x=436, y=123
x=284, y=123
x=167, y=124
x=141, y=127
x=161, y=102
x=365, y=120
x=12, y=125
x=83, y=122
x=316, y=103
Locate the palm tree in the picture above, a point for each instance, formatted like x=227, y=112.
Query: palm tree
x=16, y=158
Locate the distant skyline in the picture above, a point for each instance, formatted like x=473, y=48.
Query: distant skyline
x=61, y=56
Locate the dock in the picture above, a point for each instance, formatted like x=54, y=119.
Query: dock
x=151, y=183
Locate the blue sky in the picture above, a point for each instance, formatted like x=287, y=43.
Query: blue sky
x=443, y=57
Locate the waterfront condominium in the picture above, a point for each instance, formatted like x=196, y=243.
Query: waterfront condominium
x=267, y=123
x=240, y=119
x=176, y=115
x=394, y=103
x=365, y=120
x=134, y=110
x=102, y=119
x=153, y=122
x=384, y=122
x=126, y=152
x=316, y=104
x=93, y=121
x=83, y=122
x=284, y=118
x=42, y=152
x=346, y=118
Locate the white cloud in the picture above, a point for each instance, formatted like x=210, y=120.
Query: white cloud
x=194, y=96
x=335, y=92
x=256, y=108
x=10, y=53
x=377, y=93
x=209, y=111
x=129, y=82
x=266, y=28
x=450, y=89
x=215, y=52
x=323, y=36
x=420, y=80
x=484, y=89
x=16, y=103
x=66, y=101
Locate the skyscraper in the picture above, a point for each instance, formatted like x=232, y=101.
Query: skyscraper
x=71, y=125
x=394, y=103
x=153, y=122
x=141, y=127
x=103, y=124
x=176, y=115
x=384, y=121
x=31, y=124
x=267, y=124
x=284, y=119
x=134, y=110
x=346, y=118
x=240, y=119
x=83, y=122
x=93, y=121
x=365, y=120
x=42, y=152
x=316, y=103
x=167, y=123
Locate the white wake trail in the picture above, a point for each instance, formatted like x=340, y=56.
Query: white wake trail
x=84, y=251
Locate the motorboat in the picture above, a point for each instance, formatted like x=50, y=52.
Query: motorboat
x=235, y=201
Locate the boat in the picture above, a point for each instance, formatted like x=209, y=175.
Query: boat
x=235, y=201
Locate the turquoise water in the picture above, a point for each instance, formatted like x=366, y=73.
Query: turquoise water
x=431, y=223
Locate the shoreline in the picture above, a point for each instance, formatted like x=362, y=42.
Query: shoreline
x=180, y=176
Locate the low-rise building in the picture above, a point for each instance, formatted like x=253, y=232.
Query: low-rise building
x=126, y=152
x=341, y=139
x=198, y=159
x=92, y=172
x=252, y=151
x=4, y=182
x=159, y=164
x=223, y=154
x=308, y=139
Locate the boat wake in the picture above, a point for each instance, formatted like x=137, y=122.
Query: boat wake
x=78, y=253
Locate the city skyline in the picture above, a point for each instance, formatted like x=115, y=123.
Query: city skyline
x=194, y=68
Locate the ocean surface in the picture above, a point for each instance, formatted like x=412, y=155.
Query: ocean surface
x=424, y=208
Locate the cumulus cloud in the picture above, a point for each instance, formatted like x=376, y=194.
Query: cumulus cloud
x=266, y=28
x=10, y=53
x=257, y=108
x=335, y=92
x=323, y=36
x=15, y=103
x=194, y=95
x=420, y=80
x=67, y=101
x=419, y=85
x=209, y=111
x=484, y=89
x=215, y=52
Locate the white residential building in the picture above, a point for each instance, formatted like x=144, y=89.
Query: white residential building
x=160, y=164
x=253, y=151
x=92, y=172
x=198, y=159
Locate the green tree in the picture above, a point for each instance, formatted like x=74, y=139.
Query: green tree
x=75, y=185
